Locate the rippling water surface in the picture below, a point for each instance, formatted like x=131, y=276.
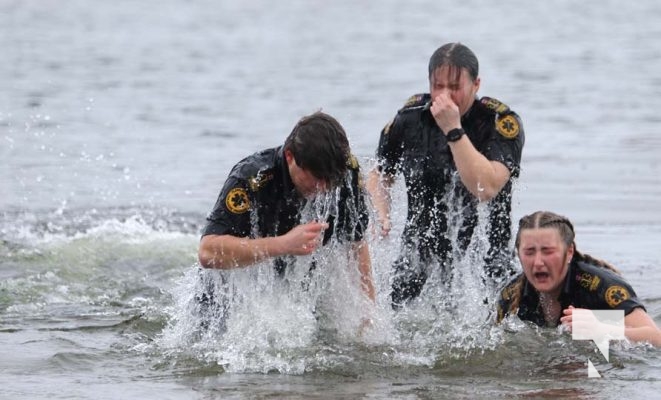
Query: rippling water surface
x=119, y=122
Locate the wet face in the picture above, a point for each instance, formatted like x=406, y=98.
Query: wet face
x=457, y=83
x=545, y=259
x=306, y=184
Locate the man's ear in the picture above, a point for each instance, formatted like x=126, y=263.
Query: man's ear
x=289, y=157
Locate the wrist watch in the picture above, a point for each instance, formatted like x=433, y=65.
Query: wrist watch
x=455, y=134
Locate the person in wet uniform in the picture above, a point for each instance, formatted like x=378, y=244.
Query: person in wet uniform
x=454, y=152
x=557, y=280
x=258, y=211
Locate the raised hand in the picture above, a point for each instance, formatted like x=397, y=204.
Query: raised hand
x=303, y=239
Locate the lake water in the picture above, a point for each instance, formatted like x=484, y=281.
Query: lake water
x=119, y=122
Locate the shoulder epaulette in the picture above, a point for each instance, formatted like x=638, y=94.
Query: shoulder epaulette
x=258, y=181
x=419, y=101
x=495, y=105
x=507, y=123
x=352, y=162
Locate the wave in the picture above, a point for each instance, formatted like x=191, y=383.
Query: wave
x=72, y=266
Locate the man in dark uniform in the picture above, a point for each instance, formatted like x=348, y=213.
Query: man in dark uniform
x=454, y=152
x=257, y=214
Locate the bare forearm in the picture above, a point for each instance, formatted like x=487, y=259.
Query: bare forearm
x=365, y=269
x=378, y=186
x=482, y=177
x=227, y=252
x=640, y=327
x=644, y=334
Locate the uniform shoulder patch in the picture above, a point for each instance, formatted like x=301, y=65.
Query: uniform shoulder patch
x=237, y=201
x=414, y=100
x=417, y=102
x=494, y=105
x=616, y=295
x=258, y=181
x=508, y=126
x=588, y=281
x=506, y=123
x=352, y=162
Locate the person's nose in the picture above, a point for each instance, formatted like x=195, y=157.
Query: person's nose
x=537, y=259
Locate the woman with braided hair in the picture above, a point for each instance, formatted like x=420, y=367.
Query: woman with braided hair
x=558, y=279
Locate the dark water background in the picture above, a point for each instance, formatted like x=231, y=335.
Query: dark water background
x=120, y=120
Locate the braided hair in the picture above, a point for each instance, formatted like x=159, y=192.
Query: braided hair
x=547, y=219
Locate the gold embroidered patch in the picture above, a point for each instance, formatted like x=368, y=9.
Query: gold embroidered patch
x=616, y=295
x=589, y=281
x=508, y=126
x=237, y=201
x=494, y=105
x=352, y=162
x=412, y=100
x=258, y=181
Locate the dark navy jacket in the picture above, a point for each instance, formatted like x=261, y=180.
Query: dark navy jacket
x=586, y=286
x=259, y=200
x=413, y=144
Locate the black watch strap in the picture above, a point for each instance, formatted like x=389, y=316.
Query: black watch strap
x=455, y=134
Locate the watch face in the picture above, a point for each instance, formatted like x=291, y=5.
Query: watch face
x=455, y=134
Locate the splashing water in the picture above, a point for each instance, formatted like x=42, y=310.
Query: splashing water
x=309, y=319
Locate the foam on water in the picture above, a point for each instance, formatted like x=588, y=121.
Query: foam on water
x=95, y=266
x=110, y=112
x=311, y=320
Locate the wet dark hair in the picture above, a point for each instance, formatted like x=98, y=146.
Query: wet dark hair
x=548, y=219
x=456, y=56
x=320, y=146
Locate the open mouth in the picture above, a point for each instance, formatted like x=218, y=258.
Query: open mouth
x=542, y=275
